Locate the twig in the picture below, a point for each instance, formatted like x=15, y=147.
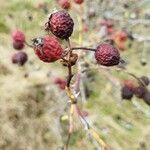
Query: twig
x=70, y=75
x=138, y=79
x=135, y=77
x=70, y=95
x=83, y=48
x=29, y=45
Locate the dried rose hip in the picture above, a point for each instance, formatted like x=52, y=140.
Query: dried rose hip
x=140, y=91
x=78, y=1
x=19, y=58
x=60, y=82
x=122, y=36
x=126, y=93
x=47, y=48
x=18, y=36
x=18, y=45
x=107, y=55
x=60, y=24
x=65, y=4
x=146, y=97
x=127, y=89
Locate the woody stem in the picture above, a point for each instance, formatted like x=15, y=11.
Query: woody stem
x=70, y=75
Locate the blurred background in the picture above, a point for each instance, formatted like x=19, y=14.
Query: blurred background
x=33, y=107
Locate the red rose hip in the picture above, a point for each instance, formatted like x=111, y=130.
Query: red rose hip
x=126, y=93
x=122, y=36
x=78, y=1
x=18, y=45
x=65, y=4
x=19, y=58
x=47, y=49
x=127, y=89
x=60, y=24
x=60, y=82
x=18, y=36
x=140, y=91
x=107, y=55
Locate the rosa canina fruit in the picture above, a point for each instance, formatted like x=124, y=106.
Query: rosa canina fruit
x=107, y=55
x=60, y=24
x=47, y=48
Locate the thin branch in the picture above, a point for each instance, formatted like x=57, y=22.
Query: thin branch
x=83, y=48
x=72, y=98
x=29, y=45
x=135, y=77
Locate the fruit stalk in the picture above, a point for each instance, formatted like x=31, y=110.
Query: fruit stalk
x=83, y=48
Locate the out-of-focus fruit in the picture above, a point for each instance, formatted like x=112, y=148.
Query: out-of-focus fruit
x=127, y=89
x=78, y=1
x=126, y=93
x=18, y=45
x=65, y=4
x=146, y=80
x=18, y=36
x=146, y=97
x=140, y=91
x=19, y=58
x=60, y=82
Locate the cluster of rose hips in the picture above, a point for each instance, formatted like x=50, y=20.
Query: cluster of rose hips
x=129, y=89
x=48, y=48
x=60, y=23
x=19, y=57
x=66, y=4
